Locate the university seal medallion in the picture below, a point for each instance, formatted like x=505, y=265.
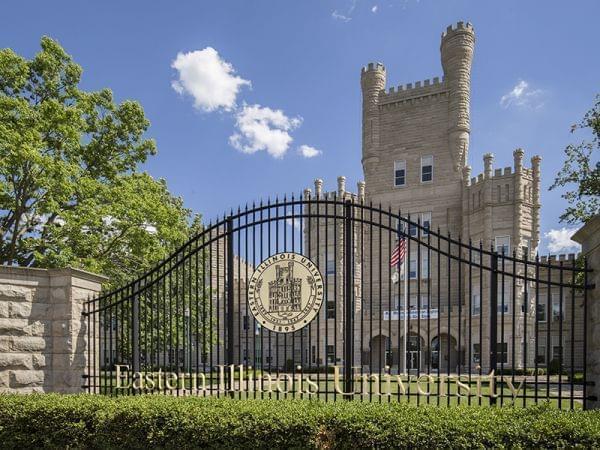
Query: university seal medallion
x=285, y=292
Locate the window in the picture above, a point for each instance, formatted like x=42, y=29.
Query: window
x=499, y=193
x=541, y=351
x=424, y=264
x=424, y=219
x=476, y=353
x=425, y=223
x=541, y=310
x=331, y=354
x=504, y=296
x=503, y=245
x=396, y=304
x=476, y=303
x=412, y=268
x=557, y=348
x=506, y=192
x=245, y=322
x=426, y=169
x=331, y=310
x=558, y=313
x=399, y=173
x=330, y=266
x=502, y=352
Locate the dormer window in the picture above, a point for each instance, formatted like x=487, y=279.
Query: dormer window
x=426, y=169
x=400, y=173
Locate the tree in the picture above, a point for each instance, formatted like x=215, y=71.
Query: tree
x=71, y=192
x=582, y=169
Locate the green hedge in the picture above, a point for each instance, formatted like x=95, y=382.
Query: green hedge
x=85, y=421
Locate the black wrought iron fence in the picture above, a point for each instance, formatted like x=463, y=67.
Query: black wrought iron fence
x=401, y=313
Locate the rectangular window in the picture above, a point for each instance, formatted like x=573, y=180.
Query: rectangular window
x=541, y=351
x=503, y=245
x=504, y=296
x=245, y=322
x=506, y=192
x=502, y=352
x=558, y=313
x=557, y=348
x=412, y=268
x=330, y=266
x=526, y=248
x=426, y=169
x=476, y=303
x=331, y=354
x=396, y=304
x=541, y=310
x=330, y=310
x=399, y=173
x=476, y=353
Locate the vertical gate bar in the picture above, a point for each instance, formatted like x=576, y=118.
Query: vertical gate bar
x=439, y=319
x=260, y=254
x=246, y=311
x=514, y=318
x=380, y=312
x=135, y=329
x=548, y=336
x=407, y=304
x=204, y=300
x=460, y=301
x=502, y=340
x=388, y=341
x=214, y=273
x=308, y=208
x=336, y=249
x=449, y=299
x=90, y=348
x=362, y=287
x=167, y=318
x=277, y=347
x=269, y=253
x=419, y=275
x=573, y=267
x=428, y=346
x=560, y=334
x=239, y=302
x=526, y=318
x=348, y=300
x=285, y=336
x=184, y=316
x=262, y=335
x=481, y=254
x=493, y=317
x=585, y=335
x=470, y=298
x=370, y=299
x=229, y=315
x=255, y=332
x=537, y=325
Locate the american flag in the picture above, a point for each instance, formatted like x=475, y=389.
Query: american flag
x=398, y=253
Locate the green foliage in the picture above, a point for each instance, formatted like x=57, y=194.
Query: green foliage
x=581, y=171
x=84, y=421
x=70, y=189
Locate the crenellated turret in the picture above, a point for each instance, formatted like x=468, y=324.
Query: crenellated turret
x=457, y=48
x=372, y=82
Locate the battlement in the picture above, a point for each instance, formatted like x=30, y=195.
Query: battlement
x=373, y=67
x=557, y=258
x=418, y=89
x=460, y=27
x=340, y=194
x=506, y=172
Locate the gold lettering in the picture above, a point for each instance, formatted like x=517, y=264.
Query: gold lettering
x=119, y=375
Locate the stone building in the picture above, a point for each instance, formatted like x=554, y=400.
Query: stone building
x=415, y=144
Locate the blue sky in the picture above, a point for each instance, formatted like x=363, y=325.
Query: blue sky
x=300, y=62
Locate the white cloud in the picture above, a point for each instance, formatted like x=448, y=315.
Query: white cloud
x=309, y=152
x=293, y=223
x=374, y=9
x=262, y=128
x=338, y=16
x=209, y=79
x=560, y=240
x=522, y=95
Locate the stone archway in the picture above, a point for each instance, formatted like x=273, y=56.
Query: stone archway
x=444, y=353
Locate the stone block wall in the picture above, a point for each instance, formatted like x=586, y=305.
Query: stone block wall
x=43, y=335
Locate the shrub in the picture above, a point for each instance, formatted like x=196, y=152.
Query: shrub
x=156, y=421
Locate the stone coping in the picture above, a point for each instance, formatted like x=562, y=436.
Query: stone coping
x=67, y=271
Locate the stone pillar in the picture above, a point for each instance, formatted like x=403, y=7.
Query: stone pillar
x=43, y=335
x=589, y=238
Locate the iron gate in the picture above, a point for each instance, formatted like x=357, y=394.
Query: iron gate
x=450, y=322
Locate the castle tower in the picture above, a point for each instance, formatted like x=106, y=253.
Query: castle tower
x=457, y=55
x=372, y=81
x=415, y=137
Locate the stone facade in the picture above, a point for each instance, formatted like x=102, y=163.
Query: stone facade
x=415, y=143
x=43, y=337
